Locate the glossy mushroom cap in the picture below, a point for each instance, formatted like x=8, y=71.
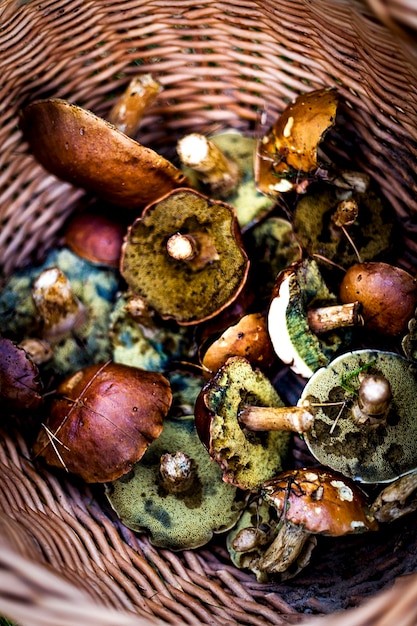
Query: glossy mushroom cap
x=83, y=149
x=102, y=420
x=95, y=237
x=388, y=295
x=321, y=501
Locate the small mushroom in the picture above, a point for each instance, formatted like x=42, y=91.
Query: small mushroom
x=83, y=149
x=287, y=155
x=58, y=306
x=247, y=458
x=95, y=237
x=364, y=405
x=311, y=501
x=255, y=531
x=94, y=285
x=146, y=342
x=343, y=226
x=306, y=324
x=387, y=294
x=21, y=386
x=102, y=419
x=222, y=167
x=248, y=338
x=184, y=257
x=175, y=493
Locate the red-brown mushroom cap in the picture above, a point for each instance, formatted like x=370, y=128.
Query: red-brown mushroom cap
x=321, y=501
x=387, y=294
x=103, y=419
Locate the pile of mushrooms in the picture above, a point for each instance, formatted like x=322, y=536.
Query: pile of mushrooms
x=159, y=346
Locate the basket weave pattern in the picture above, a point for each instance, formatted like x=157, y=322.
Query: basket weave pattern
x=63, y=557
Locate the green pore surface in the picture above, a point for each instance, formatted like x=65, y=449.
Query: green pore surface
x=171, y=287
x=248, y=458
x=176, y=521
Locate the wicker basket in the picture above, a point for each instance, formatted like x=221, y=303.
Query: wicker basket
x=64, y=559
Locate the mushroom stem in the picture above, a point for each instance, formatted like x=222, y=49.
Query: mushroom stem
x=177, y=472
x=196, y=249
x=213, y=168
x=374, y=398
x=129, y=109
x=58, y=306
x=324, y=319
x=293, y=419
x=285, y=548
x=182, y=247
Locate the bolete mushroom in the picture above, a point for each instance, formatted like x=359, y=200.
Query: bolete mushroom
x=311, y=501
x=21, y=386
x=81, y=148
x=247, y=458
x=387, y=294
x=256, y=529
x=343, y=226
x=102, y=419
x=95, y=237
x=222, y=167
x=364, y=405
x=185, y=257
x=306, y=324
x=287, y=155
x=176, y=494
x=248, y=338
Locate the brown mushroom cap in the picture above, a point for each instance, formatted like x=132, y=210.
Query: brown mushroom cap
x=95, y=237
x=388, y=295
x=320, y=500
x=21, y=386
x=83, y=149
x=102, y=420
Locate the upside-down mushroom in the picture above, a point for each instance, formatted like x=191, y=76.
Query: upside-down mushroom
x=364, y=405
x=184, y=256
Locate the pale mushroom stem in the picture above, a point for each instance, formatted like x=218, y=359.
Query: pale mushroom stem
x=60, y=309
x=177, y=472
x=196, y=249
x=128, y=111
x=324, y=319
x=284, y=550
x=213, y=168
x=292, y=419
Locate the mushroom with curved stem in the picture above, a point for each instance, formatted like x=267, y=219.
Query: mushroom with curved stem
x=247, y=458
x=306, y=324
x=341, y=226
x=184, y=256
x=318, y=501
x=364, y=404
x=102, y=419
x=175, y=493
x=254, y=532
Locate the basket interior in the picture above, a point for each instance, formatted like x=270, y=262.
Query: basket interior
x=221, y=65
